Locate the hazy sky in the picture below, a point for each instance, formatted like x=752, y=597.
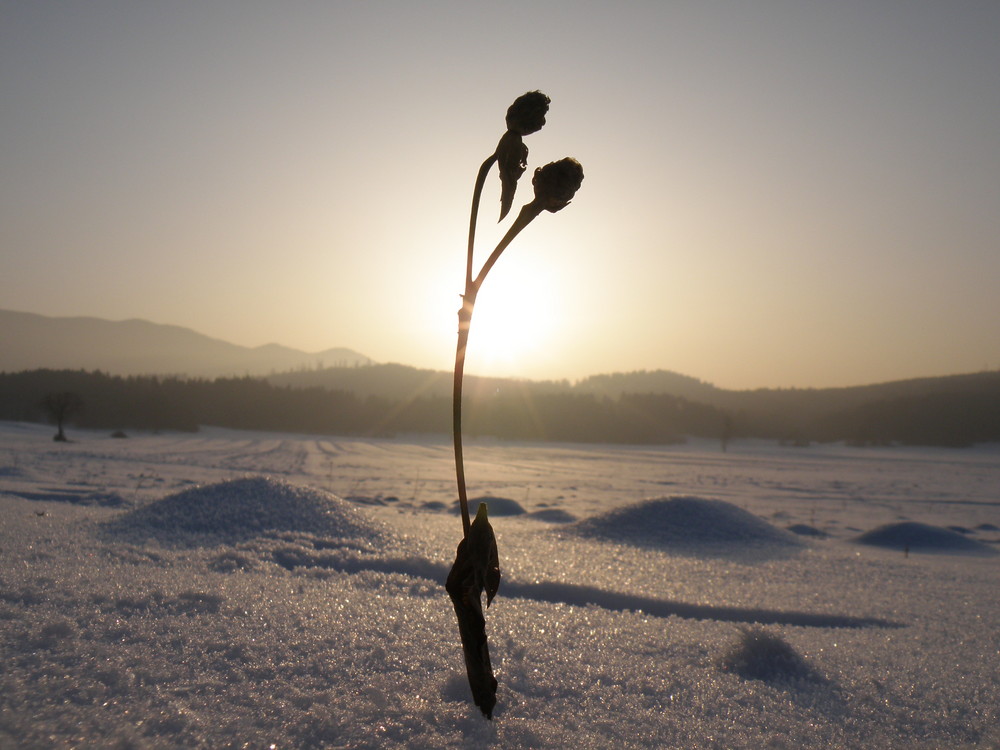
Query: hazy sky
x=776, y=194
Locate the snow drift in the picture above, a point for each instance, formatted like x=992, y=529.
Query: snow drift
x=911, y=536
x=241, y=509
x=686, y=523
x=306, y=632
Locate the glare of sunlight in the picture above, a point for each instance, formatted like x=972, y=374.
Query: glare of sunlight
x=517, y=316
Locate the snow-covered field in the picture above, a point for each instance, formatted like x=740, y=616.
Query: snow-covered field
x=230, y=589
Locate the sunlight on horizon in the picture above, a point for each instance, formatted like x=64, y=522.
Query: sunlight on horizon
x=520, y=312
x=517, y=317
x=811, y=204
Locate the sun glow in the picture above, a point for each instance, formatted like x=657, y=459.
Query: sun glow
x=517, y=317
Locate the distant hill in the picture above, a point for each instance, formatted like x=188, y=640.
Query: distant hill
x=392, y=380
x=341, y=390
x=396, y=381
x=650, y=381
x=138, y=347
x=946, y=410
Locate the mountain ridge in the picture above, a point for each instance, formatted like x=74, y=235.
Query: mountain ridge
x=140, y=347
x=138, y=374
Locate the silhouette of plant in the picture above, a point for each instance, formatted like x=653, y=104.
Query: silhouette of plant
x=477, y=566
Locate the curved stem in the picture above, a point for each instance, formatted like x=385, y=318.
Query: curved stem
x=528, y=212
x=525, y=217
x=464, y=321
x=476, y=194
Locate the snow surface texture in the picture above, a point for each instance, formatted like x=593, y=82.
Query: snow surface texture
x=215, y=590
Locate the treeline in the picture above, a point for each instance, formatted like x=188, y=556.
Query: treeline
x=170, y=403
x=954, y=411
x=958, y=412
x=154, y=403
x=396, y=381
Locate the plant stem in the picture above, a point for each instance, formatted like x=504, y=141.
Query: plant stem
x=527, y=214
x=525, y=217
x=464, y=321
x=477, y=192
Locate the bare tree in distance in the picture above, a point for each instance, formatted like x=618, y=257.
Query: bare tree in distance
x=60, y=407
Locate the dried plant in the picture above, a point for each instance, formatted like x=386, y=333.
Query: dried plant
x=477, y=564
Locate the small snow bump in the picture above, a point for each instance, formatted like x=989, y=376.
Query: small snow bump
x=762, y=655
x=684, y=522
x=553, y=515
x=804, y=529
x=911, y=536
x=497, y=506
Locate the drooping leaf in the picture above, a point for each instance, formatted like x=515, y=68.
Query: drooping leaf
x=512, y=160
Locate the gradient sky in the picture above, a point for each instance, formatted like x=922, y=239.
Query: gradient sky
x=777, y=193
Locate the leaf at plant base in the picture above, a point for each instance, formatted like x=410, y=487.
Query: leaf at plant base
x=483, y=551
x=465, y=586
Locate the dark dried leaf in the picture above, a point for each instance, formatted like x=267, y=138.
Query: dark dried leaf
x=512, y=160
x=476, y=569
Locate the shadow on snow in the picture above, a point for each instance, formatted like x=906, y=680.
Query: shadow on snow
x=552, y=592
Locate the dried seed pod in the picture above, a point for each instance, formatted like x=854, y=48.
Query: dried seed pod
x=527, y=114
x=556, y=183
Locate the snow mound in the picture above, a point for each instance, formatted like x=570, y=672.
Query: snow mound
x=498, y=506
x=376, y=500
x=919, y=537
x=804, y=529
x=434, y=505
x=104, y=499
x=765, y=656
x=685, y=522
x=241, y=509
x=553, y=515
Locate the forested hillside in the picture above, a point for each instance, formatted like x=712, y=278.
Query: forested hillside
x=381, y=400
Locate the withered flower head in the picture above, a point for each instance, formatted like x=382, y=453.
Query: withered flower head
x=556, y=183
x=527, y=114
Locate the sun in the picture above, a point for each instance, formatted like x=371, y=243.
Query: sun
x=517, y=317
